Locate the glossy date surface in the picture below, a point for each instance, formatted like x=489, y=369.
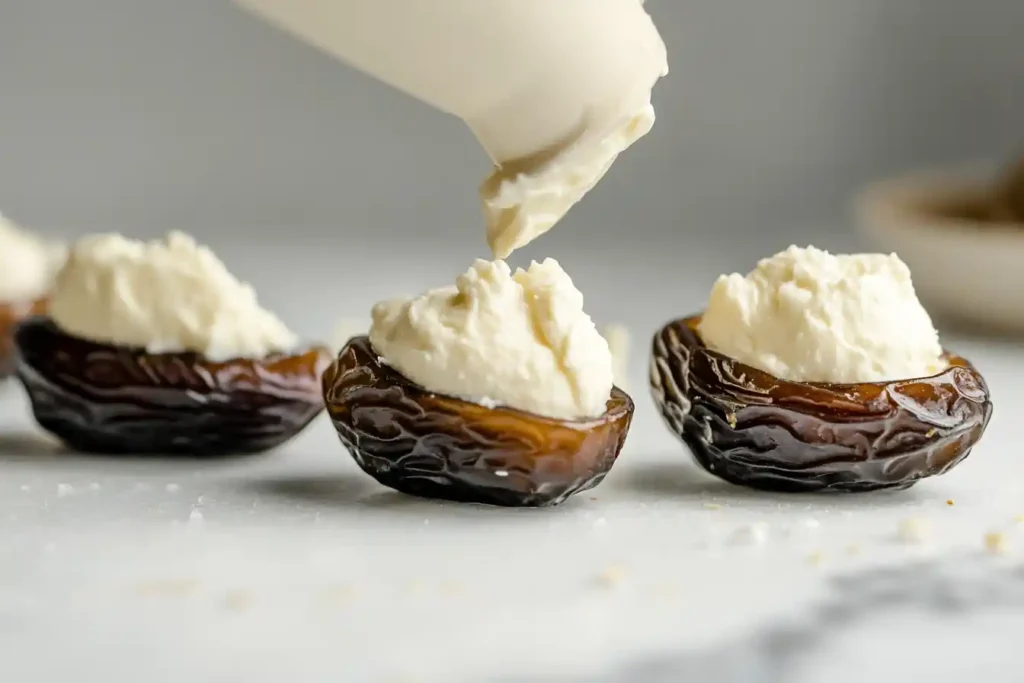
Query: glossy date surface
x=754, y=429
x=435, y=446
x=101, y=398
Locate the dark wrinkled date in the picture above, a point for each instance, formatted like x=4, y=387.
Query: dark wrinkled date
x=107, y=399
x=435, y=446
x=753, y=429
x=11, y=314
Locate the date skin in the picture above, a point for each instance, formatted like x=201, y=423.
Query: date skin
x=11, y=314
x=99, y=398
x=434, y=446
x=753, y=429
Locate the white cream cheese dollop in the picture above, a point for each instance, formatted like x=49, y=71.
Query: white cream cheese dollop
x=525, y=199
x=169, y=295
x=27, y=264
x=519, y=339
x=809, y=316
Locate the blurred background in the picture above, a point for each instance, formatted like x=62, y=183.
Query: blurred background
x=148, y=115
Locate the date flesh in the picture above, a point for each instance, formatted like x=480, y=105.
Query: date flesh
x=100, y=398
x=752, y=429
x=435, y=446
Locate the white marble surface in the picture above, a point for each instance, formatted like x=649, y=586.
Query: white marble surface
x=295, y=566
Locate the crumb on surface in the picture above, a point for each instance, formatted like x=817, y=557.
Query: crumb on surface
x=712, y=506
x=950, y=502
x=816, y=558
x=612, y=576
x=854, y=549
x=167, y=587
x=237, y=600
x=996, y=543
x=339, y=592
x=64, y=490
x=751, y=534
x=913, y=530
x=1019, y=519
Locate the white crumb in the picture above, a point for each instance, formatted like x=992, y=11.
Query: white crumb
x=712, y=506
x=94, y=486
x=914, y=530
x=26, y=487
x=611, y=576
x=750, y=534
x=64, y=490
x=996, y=543
x=172, y=488
x=195, y=517
x=810, y=523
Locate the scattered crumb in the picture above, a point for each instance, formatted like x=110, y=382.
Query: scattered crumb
x=854, y=549
x=600, y=521
x=64, y=490
x=950, y=502
x=611, y=576
x=731, y=419
x=501, y=473
x=449, y=588
x=237, y=600
x=816, y=559
x=1019, y=519
x=810, y=523
x=712, y=506
x=931, y=432
x=751, y=534
x=594, y=498
x=341, y=592
x=914, y=530
x=167, y=587
x=996, y=543
x=172, y=488
x=94, y=486
x=195, y=517
x=666, y=590
x=618, y=339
